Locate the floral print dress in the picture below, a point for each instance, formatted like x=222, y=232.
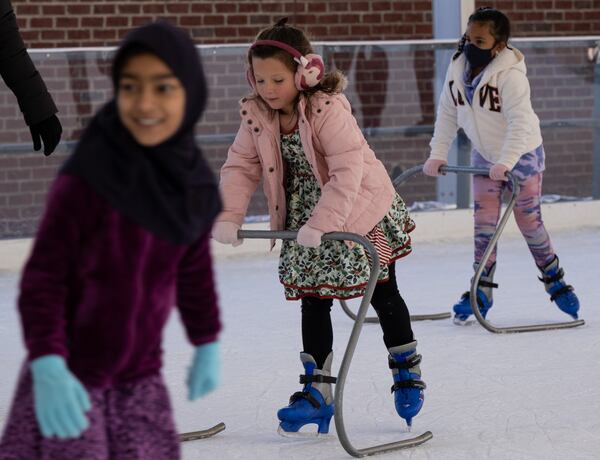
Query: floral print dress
x=332, y=270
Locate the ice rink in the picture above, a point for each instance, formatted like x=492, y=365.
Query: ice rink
x=517, y=396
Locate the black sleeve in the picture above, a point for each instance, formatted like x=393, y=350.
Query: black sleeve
x=18, y=71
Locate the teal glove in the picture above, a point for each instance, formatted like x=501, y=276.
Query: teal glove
x=60, y=400
x=204, y=375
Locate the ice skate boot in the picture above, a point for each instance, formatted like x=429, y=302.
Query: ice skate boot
x=560, y=292
x=485, y=300
x=314, y=404
x=408, y=386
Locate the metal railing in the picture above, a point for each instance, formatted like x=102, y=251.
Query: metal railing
x=86, y=85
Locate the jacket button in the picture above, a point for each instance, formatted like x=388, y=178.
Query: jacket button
x=276, y=207
x=318, y=110
x=249, y=122
x=271, y=169
x=244, y=112
x=327, y=102
x=256, y=130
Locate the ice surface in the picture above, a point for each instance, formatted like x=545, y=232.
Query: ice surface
x=518, y=396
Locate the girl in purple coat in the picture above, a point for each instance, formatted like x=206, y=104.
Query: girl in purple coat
x=124, y=237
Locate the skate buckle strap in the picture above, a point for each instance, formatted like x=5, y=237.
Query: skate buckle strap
x=412, y=383
x=305, y=378
x=551, y=279
x=410, y=362
x=487, y=284
x=305, y=395
x=561, y=291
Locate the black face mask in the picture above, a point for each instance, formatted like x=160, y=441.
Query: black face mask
x=476, y=56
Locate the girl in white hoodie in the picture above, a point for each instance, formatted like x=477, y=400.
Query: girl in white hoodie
x=486, y=93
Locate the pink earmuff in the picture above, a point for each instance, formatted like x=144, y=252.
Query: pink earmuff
x=310, y=67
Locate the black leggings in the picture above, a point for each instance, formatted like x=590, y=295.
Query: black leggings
x=317, y=331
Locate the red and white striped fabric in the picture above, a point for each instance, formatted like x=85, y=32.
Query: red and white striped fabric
x=384, y=251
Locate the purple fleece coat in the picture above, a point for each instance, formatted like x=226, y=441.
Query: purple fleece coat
x=98, y=289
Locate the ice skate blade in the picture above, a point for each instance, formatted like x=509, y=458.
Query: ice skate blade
x=461, y=322
x=303, y=435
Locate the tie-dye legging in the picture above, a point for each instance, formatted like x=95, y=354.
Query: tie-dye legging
x=488, y=199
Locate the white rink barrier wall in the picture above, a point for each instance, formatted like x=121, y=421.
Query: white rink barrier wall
x=434, y=226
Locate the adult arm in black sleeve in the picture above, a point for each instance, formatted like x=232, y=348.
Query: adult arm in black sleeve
x=23, y=79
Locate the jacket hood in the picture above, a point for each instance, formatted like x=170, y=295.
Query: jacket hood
x=506, y=59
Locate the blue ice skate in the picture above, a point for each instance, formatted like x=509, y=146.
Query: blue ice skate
x=560, y=292
x=485, y=300
x=408, y=386
x=314, y=404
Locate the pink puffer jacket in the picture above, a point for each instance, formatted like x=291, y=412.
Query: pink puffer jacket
x=356, y=189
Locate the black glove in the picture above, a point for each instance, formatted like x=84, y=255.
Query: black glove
x=49, y=131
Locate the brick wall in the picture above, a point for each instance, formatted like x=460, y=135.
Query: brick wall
x=549, y=17
x=53, y=23
x=388, y=88
x=47, y=23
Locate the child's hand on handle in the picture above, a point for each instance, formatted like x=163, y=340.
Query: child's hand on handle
x=432, y=167
x=60, y=400
x=309, y=237
x=498, y=172
x=226, y=233
x=204, y=375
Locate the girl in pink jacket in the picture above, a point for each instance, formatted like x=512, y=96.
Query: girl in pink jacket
x=320, y=175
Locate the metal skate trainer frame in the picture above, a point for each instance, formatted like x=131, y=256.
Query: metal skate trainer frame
x=352, y=341
x=202, y=434
x=488, y=252
x=374, y=319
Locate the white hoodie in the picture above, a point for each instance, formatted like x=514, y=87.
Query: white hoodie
x=500, y=122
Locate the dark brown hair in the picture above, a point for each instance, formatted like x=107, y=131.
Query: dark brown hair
x=332, y=82
x=498, y=22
